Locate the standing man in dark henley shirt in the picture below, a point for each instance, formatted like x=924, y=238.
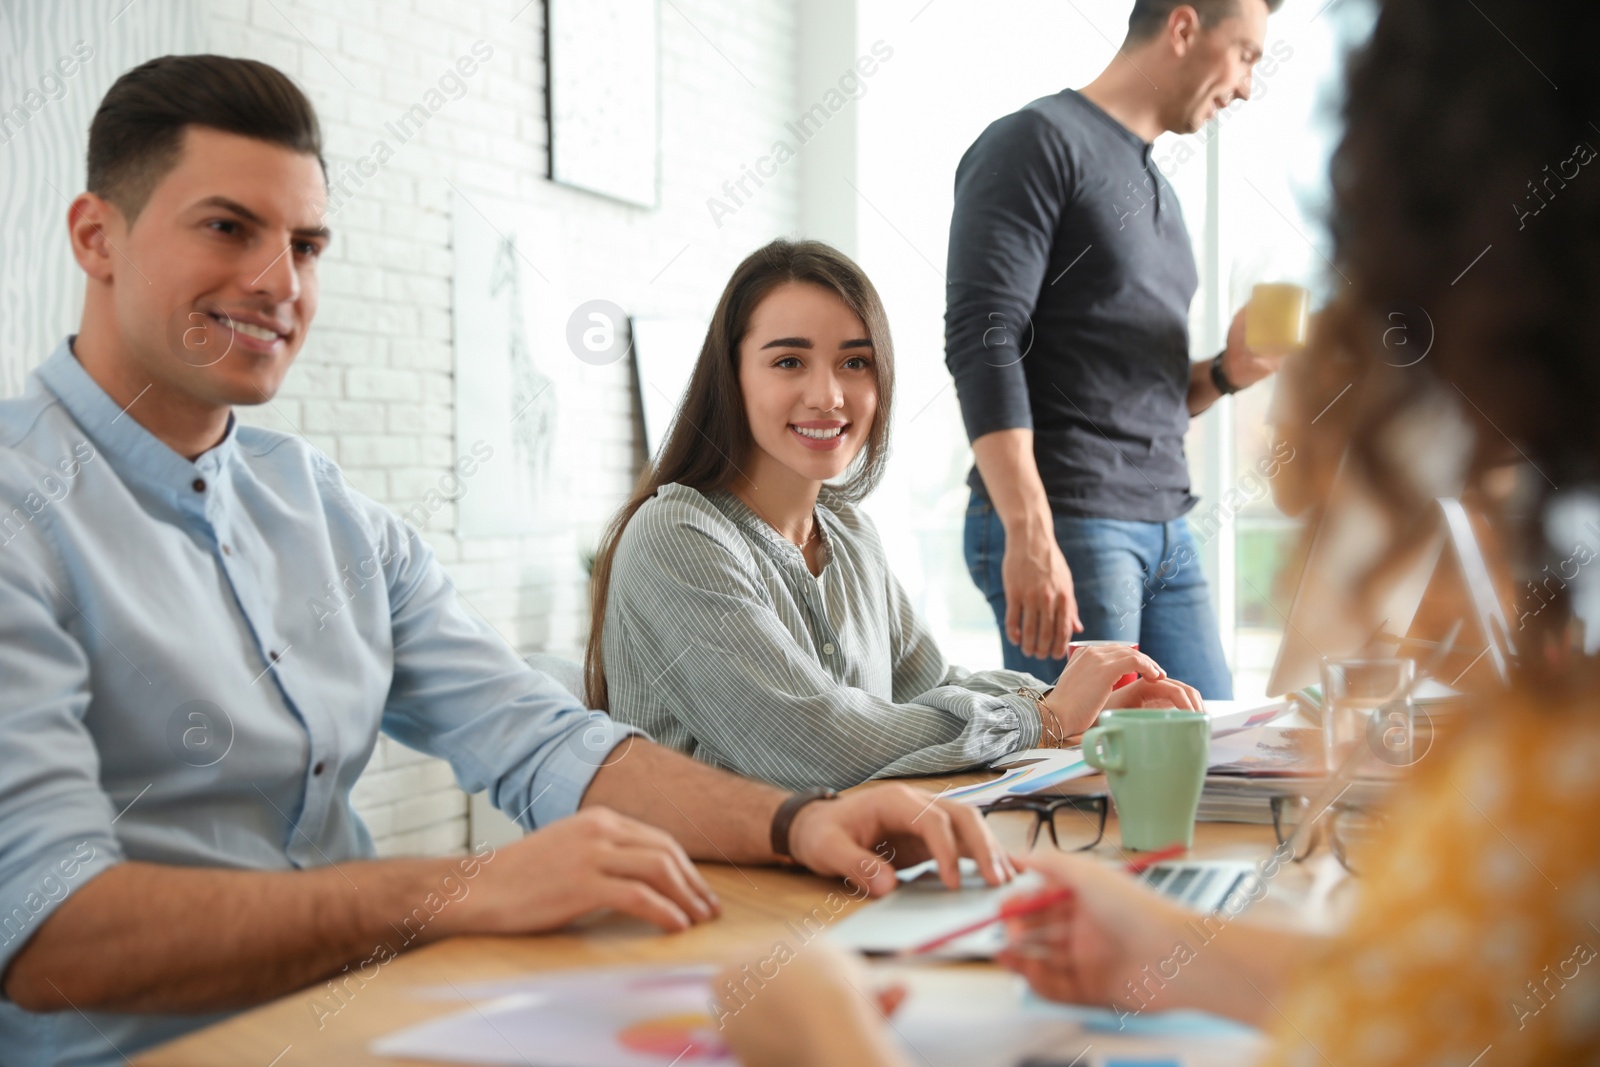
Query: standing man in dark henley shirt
x=1066, y=328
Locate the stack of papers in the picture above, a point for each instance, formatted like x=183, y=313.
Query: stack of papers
x=1038, y=769
x=1231, y=799
x=1229, y=716
x=1269, y=752
x=1253, y=748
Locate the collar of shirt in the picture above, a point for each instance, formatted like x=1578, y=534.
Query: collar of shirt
x=774, y=543
x=143, y=461
x=1146, y=149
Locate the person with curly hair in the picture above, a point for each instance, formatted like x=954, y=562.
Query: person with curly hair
x=1463, y=186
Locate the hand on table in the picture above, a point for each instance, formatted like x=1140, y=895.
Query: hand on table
x=591, y=861
x=1085, y=686
x=838, y=837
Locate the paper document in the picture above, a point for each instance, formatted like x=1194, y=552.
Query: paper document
x=660, y=1016
x=1049, y=768
x=1230, y=715
x=1037, y=769
x=1227, y=716
x=923, y=909
x=1268, y=751
x=632, y=1017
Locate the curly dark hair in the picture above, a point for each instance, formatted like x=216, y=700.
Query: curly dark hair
x=1464, y=186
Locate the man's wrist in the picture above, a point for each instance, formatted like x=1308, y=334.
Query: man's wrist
x=1224, y=385
x=404, y=887
x=1031, y=523
x=788, y=815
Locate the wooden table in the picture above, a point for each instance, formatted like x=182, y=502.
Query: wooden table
x=757, y=903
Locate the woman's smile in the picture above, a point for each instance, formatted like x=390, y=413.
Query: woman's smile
x=820, y=435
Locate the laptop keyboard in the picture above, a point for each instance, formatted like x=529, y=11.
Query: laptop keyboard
x=1203, y=886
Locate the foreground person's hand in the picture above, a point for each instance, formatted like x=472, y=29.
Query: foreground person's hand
x=1089, y=948
x=817, y=1007
x=1118, y=943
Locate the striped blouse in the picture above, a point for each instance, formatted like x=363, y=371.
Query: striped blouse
x=720, y=643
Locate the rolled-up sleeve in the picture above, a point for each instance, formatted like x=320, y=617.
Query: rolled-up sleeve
x=462, y=693
x=1010, y=190
x=55, y=820
x=705, y=640
x=919, y=665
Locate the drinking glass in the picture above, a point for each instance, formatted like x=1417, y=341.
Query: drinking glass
x=1353, y=690
x=1277, y=321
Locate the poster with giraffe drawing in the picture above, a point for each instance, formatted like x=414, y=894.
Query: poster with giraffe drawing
x=510, y=379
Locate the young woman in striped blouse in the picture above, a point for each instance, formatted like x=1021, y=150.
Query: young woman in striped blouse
x=744, y=609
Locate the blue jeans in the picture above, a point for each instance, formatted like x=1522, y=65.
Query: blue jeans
x=1135, y=581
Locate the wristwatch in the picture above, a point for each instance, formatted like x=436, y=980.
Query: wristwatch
x=1220, y=379
x=786, y=813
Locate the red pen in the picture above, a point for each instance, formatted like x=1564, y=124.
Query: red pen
x=1031, y=903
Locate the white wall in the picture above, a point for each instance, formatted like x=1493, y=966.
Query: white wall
x=373, y=387
x=56, y=62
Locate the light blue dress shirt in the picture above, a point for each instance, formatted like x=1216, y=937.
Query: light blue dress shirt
x=196, y=659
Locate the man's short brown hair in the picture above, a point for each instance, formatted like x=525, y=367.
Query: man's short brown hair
x=137, y=132
x=1149, y=16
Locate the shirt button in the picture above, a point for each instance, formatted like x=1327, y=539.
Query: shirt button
x=320, y=767
x=273, y=656
x=199, y=485
x=226, y=551
x=827, y=649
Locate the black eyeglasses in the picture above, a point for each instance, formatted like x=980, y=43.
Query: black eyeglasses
x=1076, y=823
x=1346, y=827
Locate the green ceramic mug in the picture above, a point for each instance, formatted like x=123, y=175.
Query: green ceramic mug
x=1155, y=760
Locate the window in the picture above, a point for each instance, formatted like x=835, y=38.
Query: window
x=1252, y=186
x=1273, y=198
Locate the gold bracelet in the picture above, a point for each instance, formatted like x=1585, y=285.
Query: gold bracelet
x=1048, y=724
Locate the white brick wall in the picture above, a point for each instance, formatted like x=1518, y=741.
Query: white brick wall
x=373, y=387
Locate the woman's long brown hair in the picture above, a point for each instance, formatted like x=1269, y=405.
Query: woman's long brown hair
x=710, y=436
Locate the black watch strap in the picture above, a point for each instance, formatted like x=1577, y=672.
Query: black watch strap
x=786, y=813
x=1220, y=379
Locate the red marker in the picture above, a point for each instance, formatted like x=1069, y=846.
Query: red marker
x=1032, y=903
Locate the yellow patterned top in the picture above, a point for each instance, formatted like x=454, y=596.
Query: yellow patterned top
x=1474, y=942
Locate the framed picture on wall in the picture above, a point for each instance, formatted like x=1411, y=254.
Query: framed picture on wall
x=665, y=351
x=602, y=62
x=518, y=427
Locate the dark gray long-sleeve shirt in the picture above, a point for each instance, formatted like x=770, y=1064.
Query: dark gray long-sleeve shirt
x=1068, y=289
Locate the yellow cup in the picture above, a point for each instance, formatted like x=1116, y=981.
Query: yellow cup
x=1276, y=321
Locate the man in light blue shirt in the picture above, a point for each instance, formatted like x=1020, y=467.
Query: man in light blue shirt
x=203, y=628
